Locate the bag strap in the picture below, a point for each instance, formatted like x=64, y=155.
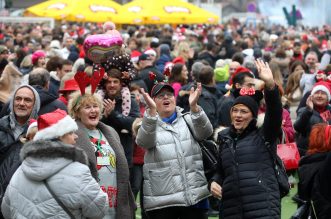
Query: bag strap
x=189, y=127
x=313, y=207
x=58, y=200
x=268, y=145
x=284, y=137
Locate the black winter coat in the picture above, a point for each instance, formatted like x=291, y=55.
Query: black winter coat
x=245, y=169
x=6, y=134
x=313, y=175
x=305, y=121
x=48, y=102
x=9, y=162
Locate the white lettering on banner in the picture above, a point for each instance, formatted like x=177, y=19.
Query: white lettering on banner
x=101, y=8
x=154, y=18
x=80, y=16
x=135, y=9
x=57, y=6
x=176, y=9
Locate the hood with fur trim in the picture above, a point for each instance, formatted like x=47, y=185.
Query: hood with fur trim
x=42, y=159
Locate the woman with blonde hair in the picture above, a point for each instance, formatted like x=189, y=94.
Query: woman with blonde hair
x=278, y=77
x=184, y=51
x=105, y=153
x=293, y=92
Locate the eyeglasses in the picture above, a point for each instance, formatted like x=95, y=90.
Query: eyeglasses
x=163, y=94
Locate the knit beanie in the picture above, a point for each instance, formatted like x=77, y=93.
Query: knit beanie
x=37, y=55
x=222, y=73
x=249, y=102
x=322, y=86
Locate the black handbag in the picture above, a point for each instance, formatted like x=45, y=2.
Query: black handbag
x=280, y=172
x=302, y=212
x=209, y=154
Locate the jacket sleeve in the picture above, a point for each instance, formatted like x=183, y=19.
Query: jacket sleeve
x=302, y=122
x=201, y=126
x=5, y=206
x=146, y=136
x=93, y=200
x=324, y=178
x=273, y=116
x=219, y=175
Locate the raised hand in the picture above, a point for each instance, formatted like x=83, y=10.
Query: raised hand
x=310, y=103
x=265, y=73
x=108, y=106
x=194, y=97
x=150, y=102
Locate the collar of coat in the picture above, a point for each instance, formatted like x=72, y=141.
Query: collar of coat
x=53, y=149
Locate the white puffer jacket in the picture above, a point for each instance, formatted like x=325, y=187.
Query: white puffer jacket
x=173, y=168
x=66, y=171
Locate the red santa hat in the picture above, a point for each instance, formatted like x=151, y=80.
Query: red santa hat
x=179, y=59
x=135, y=56
x=32, y=124
x=322, y=86
x=55, y=124
x=239, y=70
x=150, y=51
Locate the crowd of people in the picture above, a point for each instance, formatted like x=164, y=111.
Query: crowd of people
x=86, y=126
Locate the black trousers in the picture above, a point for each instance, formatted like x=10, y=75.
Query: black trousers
x=178, y=213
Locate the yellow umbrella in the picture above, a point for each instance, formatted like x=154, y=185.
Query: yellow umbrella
x=77, y=10
x=165, y=12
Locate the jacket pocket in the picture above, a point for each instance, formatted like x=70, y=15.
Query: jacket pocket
x=161, y=181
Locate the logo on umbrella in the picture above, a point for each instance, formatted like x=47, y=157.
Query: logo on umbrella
x=57, y=6
x=135, y=9
x=101, y=8
x=176, y=9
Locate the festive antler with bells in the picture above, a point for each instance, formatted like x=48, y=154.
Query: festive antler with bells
x=84, y=80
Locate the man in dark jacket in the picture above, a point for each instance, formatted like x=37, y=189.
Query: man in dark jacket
x=120, y=112
x=209, y=95
x=23, y=106
x=39, y=78
x=209, y=54
x=146, y=66
x=57, y=67
x=241, y=78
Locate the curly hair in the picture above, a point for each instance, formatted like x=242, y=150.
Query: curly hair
x=77, y=101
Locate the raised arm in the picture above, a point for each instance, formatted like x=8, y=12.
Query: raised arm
x=146, y=136
x=273, y=116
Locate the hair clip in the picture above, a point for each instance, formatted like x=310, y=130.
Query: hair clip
x=152, y=77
